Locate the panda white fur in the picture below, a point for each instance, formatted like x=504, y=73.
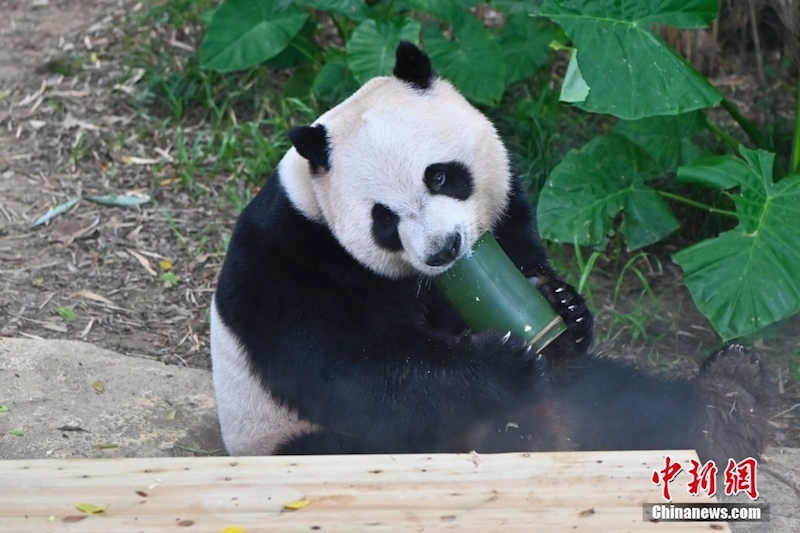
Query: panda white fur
x=327, y=335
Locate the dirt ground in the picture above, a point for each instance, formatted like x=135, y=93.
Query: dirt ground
x=66, y=136
x=62, y=137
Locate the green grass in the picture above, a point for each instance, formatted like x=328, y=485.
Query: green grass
x=225, y=131
x=636, y=312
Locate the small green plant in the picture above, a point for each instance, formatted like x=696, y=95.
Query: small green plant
x=66, y=313
x=174, y=229
x=169, y=279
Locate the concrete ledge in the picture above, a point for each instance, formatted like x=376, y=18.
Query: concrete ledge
x=50, y=384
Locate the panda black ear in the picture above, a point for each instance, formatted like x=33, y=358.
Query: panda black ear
x=413, y=66
x=312, y=143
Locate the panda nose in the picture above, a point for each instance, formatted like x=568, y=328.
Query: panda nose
x=448, y=252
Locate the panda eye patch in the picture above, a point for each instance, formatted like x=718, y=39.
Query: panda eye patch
x=384, y=228
x=450, y=179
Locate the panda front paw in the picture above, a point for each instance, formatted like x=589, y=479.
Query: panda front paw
x=572, y=308
x=513, y=365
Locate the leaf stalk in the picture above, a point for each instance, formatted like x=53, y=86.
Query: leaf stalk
x=699, y=205
x=794, y=164
x=726, y=137
x=749, y=128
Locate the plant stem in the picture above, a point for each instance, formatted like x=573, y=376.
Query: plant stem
x=749, y=128
x=698, y=205
x=725, y=136
x=794, y=164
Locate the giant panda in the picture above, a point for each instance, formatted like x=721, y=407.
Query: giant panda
x=327, y=335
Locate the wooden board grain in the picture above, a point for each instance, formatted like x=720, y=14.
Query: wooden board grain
x=591, y=491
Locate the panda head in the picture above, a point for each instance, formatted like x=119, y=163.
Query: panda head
x=405, y=173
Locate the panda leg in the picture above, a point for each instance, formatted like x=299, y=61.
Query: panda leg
x=603, y=404
x=323, y=442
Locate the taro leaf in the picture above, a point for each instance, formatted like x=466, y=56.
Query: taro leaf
x=298, y=86
x=516, y=7
x=353, y=9
x=574, y=89
x=244, y=33
x=632, y=73
x=473, y=60
x=334, y=81
x=371, y=48
x=301, y=50
x=525, y=42
x=121, y=200
x=207, y=16
x=55, y=211
x=591, y=186
x=667, y=139
x=446, y=10
x=748, y=277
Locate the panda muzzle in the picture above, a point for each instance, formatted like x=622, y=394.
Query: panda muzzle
x=448, y=253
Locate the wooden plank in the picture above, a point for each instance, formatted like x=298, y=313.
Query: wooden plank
x=591, y=491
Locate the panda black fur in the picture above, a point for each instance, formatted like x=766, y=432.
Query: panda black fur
x=327, y=335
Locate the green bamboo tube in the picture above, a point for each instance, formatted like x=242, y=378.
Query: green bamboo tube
x=489, y=292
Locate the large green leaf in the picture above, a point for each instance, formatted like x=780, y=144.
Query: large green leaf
x=371, y=48
x=574, y=89
x=354, y=9
x=334, y=81
x=591, y=186
x=749, y=277
x=301, y=50
x=516, y=7
x=244, y=33
x=447, y=10
x=299, y=84
x=473, y=60
x=526, y=45
x=667, y=139
x=631, y=72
